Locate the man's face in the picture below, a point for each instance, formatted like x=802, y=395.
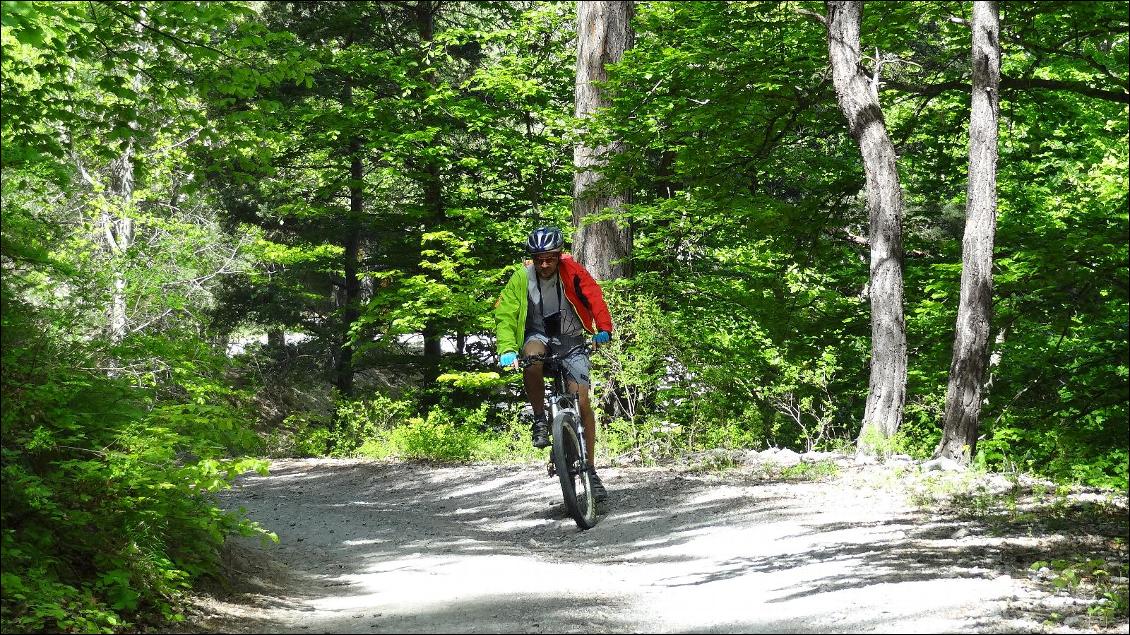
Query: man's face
x=546, y=264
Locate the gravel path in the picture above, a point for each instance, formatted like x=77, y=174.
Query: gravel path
x=371, y=547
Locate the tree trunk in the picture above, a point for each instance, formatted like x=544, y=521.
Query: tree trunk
x=971, y=334
x=603, y=34
x=351, y=287
x=433, y=194
x=859, y=101
x=116, y=222
x=118, y=228
x=433, y=334
x=276, y=341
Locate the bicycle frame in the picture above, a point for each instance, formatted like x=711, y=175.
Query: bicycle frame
x=568, y=453
x=558, y=398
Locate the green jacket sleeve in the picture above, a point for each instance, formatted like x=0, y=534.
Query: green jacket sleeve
x=510, y=314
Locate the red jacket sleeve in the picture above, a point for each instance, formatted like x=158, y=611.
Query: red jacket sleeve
x=595, y=297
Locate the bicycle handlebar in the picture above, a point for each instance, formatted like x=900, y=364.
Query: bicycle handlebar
x=524, y=361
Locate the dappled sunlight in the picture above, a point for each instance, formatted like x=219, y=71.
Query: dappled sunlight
x=412, y=547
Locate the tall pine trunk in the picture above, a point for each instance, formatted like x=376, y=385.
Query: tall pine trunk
x=859, y=101
x=351, y=285
x=433, y=190
x=603, y=34
x=971, y=334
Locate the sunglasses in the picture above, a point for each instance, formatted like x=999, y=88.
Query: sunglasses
x=552, y=258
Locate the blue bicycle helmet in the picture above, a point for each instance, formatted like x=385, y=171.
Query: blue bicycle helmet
x=544, y=239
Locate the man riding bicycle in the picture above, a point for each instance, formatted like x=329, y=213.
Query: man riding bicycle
x=552, y=296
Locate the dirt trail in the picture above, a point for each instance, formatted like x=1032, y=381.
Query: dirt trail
x=407, y=547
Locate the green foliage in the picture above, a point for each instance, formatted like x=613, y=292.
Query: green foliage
x=809, y=471
x=919, y=433
x=353, y=424
x=192, y=167
x=904, y=442
x=107, y=511
x=684, y=379
x=459, y=435
x=1094, y=577
x=115, y=437
x=742, y=216
x=383, y=428
x=441, y=436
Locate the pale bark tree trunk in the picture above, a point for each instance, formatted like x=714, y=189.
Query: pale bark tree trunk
x=994, y=363
x=859, y=100
x=603, y=34
x=971, y=334
x=116, y=222
x=118, y=230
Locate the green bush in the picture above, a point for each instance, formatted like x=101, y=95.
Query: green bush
x=458, y=435
x=381, y=428
x=107, y=503
x=684, y=380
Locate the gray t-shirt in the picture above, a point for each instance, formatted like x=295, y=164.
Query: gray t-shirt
x=550, y=306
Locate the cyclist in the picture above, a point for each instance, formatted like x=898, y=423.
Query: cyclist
x=552, y=296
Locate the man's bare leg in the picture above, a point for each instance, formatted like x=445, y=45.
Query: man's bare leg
x=588, y=418
x=533, y=378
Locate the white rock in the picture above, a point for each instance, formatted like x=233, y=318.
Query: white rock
x=749, y=457
x=787, y=457
x=942, y=464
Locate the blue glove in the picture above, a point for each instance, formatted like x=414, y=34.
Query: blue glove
x=508, y=359
x=601, y=337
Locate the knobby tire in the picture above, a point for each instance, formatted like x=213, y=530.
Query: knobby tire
x=576, y=484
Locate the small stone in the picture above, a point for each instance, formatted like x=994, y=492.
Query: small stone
x=942, y=464
x=787, y=457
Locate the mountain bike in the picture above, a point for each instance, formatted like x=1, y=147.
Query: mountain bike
x=569, y=454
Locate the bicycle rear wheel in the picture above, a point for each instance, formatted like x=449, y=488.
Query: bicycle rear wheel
x=576, y=484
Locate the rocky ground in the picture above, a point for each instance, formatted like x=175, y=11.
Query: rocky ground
x=727, y=542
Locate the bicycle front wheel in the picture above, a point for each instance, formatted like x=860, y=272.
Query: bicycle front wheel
x=576, y=484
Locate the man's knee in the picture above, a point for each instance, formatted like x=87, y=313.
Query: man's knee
x=533, y=347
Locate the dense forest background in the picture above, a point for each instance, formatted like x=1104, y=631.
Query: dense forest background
x=238, y=230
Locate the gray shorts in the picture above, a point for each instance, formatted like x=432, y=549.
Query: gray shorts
x=576, y=364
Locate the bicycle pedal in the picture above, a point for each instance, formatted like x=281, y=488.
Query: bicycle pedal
x=551, y=469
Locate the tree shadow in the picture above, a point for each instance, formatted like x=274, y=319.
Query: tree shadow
x=339, y=522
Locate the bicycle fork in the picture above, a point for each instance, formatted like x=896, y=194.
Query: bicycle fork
x=555, y=409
